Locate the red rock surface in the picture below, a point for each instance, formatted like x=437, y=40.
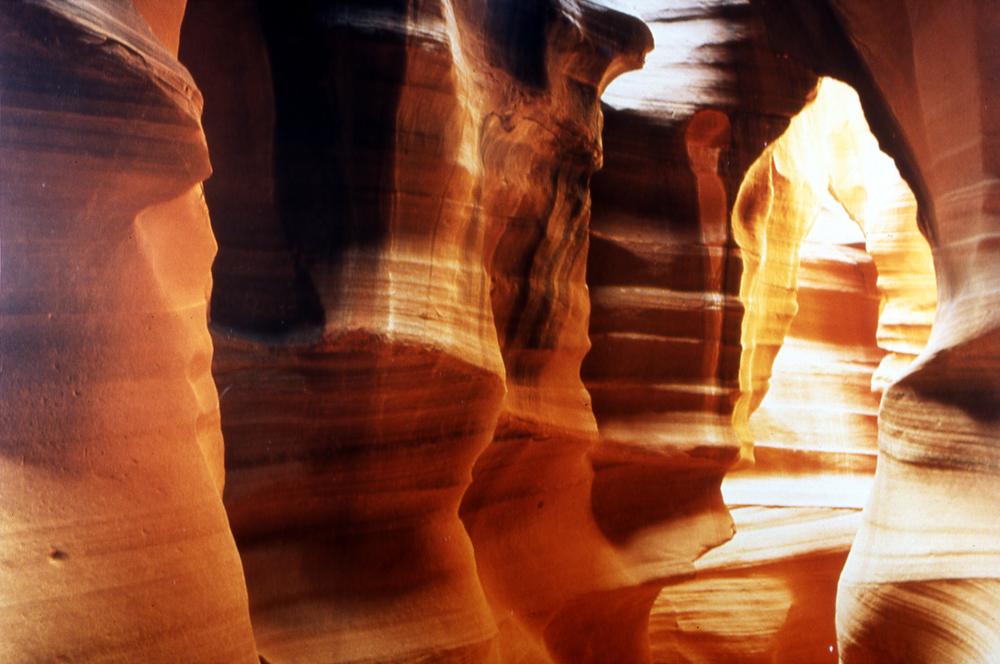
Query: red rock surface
x=921, y=581
x=664, y=275
x=471, y=411
x=114, y=545
x=394, y=292
x=809, y=207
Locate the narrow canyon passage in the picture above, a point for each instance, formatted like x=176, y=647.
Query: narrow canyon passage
x=499, y=331
x=819, y=211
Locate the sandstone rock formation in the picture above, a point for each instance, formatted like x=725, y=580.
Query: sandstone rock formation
x=664, y=276
x=395, y=292
x=464, y=421
x=921, y=581
x=665, y=273
x=114, y=543
x=803, y=216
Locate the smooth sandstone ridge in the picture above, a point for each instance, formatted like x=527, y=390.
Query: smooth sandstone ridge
x=114, y=545
x=400, y=316
x=535, y=331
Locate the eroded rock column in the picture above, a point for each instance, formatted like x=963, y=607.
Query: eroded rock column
x=114, y=544
x=923, y=579
x=409, y=269
x=559, y=589
x=357, y=359
x=819, y=211
x=664, y=277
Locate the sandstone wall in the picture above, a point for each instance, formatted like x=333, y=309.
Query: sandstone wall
x=115, y=545
x=921, y=583
x=400, y=302
x=818, y=213
x=464, y=421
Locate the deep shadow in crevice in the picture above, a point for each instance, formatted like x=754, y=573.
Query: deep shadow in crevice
x=301, y=133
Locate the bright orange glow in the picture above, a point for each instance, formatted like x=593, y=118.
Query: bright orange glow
x=839, y=295
x=825, y=169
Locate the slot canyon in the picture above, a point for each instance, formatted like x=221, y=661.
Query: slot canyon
x=499, y=331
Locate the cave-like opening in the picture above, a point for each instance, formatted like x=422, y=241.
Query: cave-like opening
x=839, y=295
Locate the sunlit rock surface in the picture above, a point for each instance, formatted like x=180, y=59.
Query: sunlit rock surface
x=463, y=420
x=665, y=272
x=400, y=308
x=809, y=287
x=114, y=546
x=664, y=275
x=921, y=583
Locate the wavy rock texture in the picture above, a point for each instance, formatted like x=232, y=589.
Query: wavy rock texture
x=402, y=315
x=802, y=218
x=114, y=543
x=815, y=430
x=819, y=213
x=664, y=273
x=664, y=268
x=921, y=581
x=401, y=282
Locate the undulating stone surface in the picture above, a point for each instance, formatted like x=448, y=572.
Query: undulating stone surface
x=921, y=583
x=665, y=272
x=400, y=293
x=114, y=545
x=664, y=276
x=664, y=268
x=809, y=288
x=463, y=420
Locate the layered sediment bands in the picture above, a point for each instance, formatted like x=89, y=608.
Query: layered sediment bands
x=797, y=509
x=927, y=545
x=905, y=277
x=810, y=205
x=826, y=209
x=664, y=275
x=548, y=570
x=114, y=543
x=344, y=496
x=414, y=262
x=362, y=377
x=749, y=603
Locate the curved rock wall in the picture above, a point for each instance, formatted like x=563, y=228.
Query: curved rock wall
x=664, y=273
x=925, y=549
x=408, y=288
x=801, y=215
x=355, y=354
x=938, y=424
x=400, y=282
x=115, y=545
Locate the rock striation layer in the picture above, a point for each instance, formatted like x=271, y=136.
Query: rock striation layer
x=664, y=274
x=464, y=421
x=921, y=581
x=809, y=207
x=668, y=325
x=114, y=545
x=400, y=301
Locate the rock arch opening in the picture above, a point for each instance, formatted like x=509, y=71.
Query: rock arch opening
x=414, y=470
x=839, y=293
